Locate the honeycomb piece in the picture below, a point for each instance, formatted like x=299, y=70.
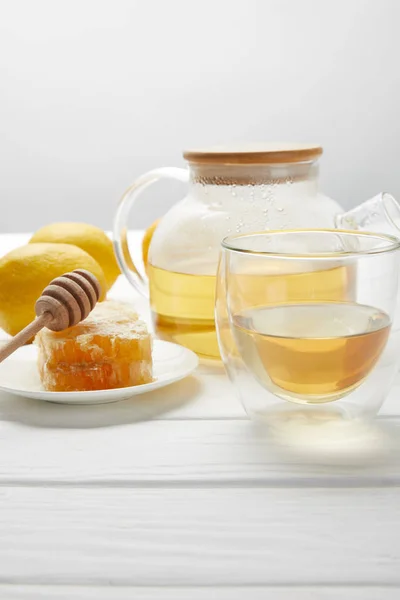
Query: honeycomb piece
x=111, y=348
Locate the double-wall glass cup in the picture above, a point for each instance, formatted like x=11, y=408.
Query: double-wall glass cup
x=306, y=321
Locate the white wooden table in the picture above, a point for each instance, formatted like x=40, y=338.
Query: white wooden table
x=176, y=495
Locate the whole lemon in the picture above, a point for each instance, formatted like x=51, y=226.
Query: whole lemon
x=25, y=272
x=88, y=237
x=148, y=235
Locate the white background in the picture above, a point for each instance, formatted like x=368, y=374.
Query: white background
x=94, y=92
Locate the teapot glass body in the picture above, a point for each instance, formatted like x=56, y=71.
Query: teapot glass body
x=228, y=193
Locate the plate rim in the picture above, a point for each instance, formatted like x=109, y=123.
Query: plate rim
x=107, y=393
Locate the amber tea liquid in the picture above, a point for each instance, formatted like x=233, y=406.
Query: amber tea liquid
x=311, y=353
x=183, y=309
x=183, y=304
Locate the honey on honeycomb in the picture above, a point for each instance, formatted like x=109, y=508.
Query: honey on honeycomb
x=111, y=348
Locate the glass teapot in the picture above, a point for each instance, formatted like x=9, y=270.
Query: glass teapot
x=231, y=190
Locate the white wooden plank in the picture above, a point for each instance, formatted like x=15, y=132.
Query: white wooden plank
x=180, y=453
x=191, y=537
x=391, y=405
x=207, y=394
x=111, y=592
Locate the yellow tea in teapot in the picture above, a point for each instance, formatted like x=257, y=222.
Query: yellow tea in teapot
x=183, y=309
x=183, y=304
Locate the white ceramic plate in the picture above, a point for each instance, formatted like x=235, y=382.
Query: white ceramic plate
x=19, y=376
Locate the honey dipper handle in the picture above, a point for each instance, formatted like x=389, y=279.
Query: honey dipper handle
x=25, y=335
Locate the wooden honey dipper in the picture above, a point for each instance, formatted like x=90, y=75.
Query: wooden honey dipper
x=66, y=301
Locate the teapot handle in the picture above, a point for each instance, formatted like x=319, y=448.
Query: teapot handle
x=137, y=277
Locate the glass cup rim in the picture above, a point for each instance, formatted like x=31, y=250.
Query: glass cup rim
x=393, y=244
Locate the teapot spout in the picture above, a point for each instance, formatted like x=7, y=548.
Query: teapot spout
x=380, y=214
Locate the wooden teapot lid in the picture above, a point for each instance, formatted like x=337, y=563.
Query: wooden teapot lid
x=257, y=154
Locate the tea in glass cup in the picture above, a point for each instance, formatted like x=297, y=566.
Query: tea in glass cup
x=312, y=348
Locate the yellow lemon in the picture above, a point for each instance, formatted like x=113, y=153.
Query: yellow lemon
x=88, y=237
x=148, y=234
x=25, y=272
